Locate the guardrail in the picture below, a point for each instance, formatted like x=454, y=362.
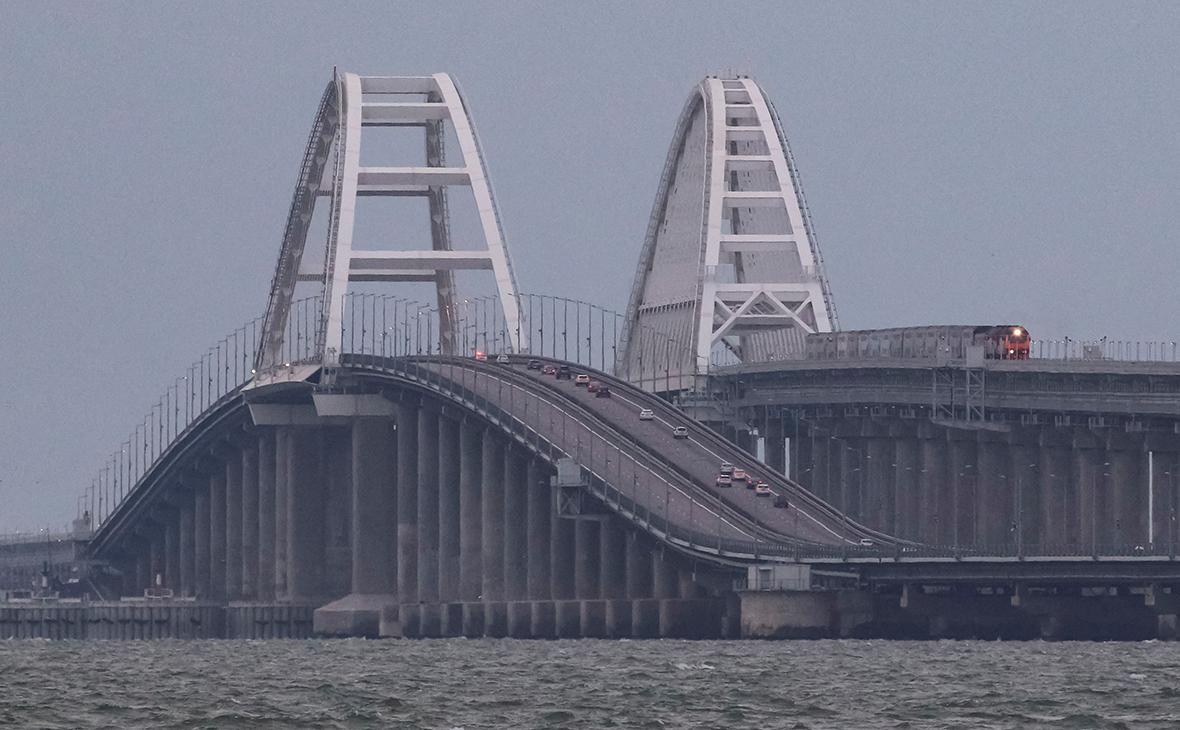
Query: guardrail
x=1105, y=349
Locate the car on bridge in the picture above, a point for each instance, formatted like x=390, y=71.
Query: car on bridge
x=647, y=414
x=679, y=432
x=582, y=379
x=564, y=373
x=726, y=468
x=593, y=386
x=781, y=501
x=739, y=475
x=724, y=480
x=762, y=490
x=602, y=392
x=534, y=364
x=549, y=370
x=481, y=356
x=502, y=359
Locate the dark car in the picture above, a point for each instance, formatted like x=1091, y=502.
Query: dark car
x=564, y=373
x=534, y=364
x=782, y=502
x=602, y=392
x=549, y=370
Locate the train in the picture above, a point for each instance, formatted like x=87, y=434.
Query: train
x=998, y=342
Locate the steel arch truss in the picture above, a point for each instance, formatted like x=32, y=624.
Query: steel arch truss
x=332, y=171
x=730, y=265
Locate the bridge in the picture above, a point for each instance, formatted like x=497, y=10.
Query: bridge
x=358, y=461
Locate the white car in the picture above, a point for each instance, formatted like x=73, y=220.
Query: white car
x=647, y=414
x=762, y=490
x=502, y=359
x=582, y=379
x=739, y=475
x=680, y=432
x=723, y=480
x=866, y=542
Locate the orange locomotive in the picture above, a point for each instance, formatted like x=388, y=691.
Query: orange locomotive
x=1003, y=342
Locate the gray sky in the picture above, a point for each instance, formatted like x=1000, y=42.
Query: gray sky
x=963, y=163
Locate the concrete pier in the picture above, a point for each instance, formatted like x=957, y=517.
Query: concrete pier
x=249, y=518
x=233, y=529
x=493, y=526
x=449, y=538
x=470, y=518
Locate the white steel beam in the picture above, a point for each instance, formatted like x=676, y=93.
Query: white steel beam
x=403, y=111
x=398, y=84
x=375, y=177
x=468, y=260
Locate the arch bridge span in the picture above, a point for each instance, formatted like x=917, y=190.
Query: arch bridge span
x=289, y=490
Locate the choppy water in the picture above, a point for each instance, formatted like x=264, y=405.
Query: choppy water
x=588, y=684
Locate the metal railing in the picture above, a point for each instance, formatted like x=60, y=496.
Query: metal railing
x=1104, y=349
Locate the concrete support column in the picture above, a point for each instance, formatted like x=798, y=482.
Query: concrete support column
x=587, y=556
x=994, y=500
x=931, y=477
x=470, y=511
x=613, y=558
x=282, y=496
x=1055, y=507
x=639, y=567
x=1026, y=496
x=374, y=507
x=449, y=539
x=233, y=528
x=217, y=535
x=905, y=477
x=1165, y=467
x=515, y=525
x=305, y=516
x=562, y=549
x=156, y=557
x=776, y=444
x=171, y=567
x=666, y=578
x=407, y=503
x=493, y=518
x=823, y=475
x=427, y=507
x=1128, y=503
x=337, y=455
x=1088, y=473
x=250, y=521
x=963, y=490
x=266, y=516
x=850, y=457
x=143, y=567
x=188, y=550
x=201, y=553
x=880, y=497
x=802, y=458
x=539, y=507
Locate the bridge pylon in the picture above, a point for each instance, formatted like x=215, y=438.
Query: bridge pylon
x=332, y=174
x=730, y=262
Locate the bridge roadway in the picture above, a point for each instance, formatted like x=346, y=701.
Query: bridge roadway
x=681, y=472
x=652, y=473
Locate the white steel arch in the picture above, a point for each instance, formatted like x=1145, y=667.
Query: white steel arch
x=730, y=266
x=332, y=171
